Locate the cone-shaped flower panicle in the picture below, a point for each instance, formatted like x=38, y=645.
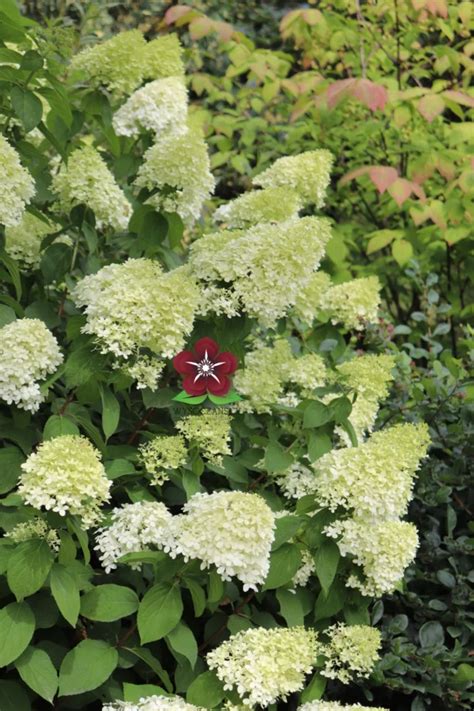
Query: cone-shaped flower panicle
x=161, y=454
x=308, y=174
x=17, y=186
x=160, y=106
x=271, y=205
x=352, y=651
x=209, y=431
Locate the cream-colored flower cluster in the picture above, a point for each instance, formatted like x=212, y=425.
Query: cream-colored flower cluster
x=269, y=369
x=305, y=571
x=153, y=703
x=137, y=527
x=160, y=106
x=336, y=706
x=145, y=370
x=23, y=242
x=308, y=174
x=177, y=167
x=374, y=480
x=86, y=179
x=232, y=530
x=136, y=305
x=65, y=474
x=16, y=185
x=210, y=431
x=264, y=267
x=271, y=205
x=161, y=454
x=353, y=303
x=310, y=298
x=35, y=528
x=297, y=481
x=383, y=550
x=265, y=665
x=123, y=62
x=28, y=353
x=352, y=651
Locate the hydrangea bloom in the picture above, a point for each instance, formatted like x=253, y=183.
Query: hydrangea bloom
x=308, y=174
x=87, y=180
x=336, y=706
x=160, y=106
x=262, y=380
x=145, y=370
x=297, y=481
x=351, y=651
x=16, y=185
x=305, y=571
x=163, y=453
x=23, y=242
x=66, y=475
x=354, y=303
x=210, y=431
x=153, y=703
x=232, y=530
x=118, y=63
x=265, y=665
x=135, y=305
x=383, y=550
x=178, y=167
x=28, y=353
x=308, y=372
x=162, y=57
x=36, y=528
x=375, y=479
x=310, y=298
x=134, y=528
x=271, y=205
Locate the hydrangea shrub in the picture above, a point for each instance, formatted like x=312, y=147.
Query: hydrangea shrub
x=162, y=549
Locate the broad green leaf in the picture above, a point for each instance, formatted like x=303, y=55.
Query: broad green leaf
x=106, y=603
x=327, y=606
x=284, y=563
x=110, y=412
x=14, y=272
x=326, y=561
x=86, y=667
x=277, y=459
x=286, y=527
x=402, y=251
x=132, y=693
x=315, y=689
x=146, y=656
x=159, y=612
x=11, y=460
x=431, y=634
x=13, y=696
x=17, y=624
x=318, y=444
x=206, y=690
x=38, y=672
x=56, y=261
x=381, y=238
x=182, y=641
x=28, y=567
x=7, y=315
x=316, y=415
x=27, y=107
x=291, y=608
x=65, y=592
x=57, y=426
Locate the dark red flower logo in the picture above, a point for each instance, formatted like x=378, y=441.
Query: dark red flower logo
x=205, y=369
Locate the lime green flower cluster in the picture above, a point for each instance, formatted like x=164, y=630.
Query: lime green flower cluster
x=65, y=475
x=23, y=241
x=354, y=303
x=87, y=180
x=308, y=174
x=336, y=706
x=271, y=205
x=265, y=665
x=16, y=185
x=352, y=651
x=36, y=528
x=310, y=298
x=210, y=431
x=161, y=454
x=123, y=62
x=154, y=703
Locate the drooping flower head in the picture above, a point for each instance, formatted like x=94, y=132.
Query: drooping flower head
x=352, y=651
x=265, y=665
x=383, y=550
x=65, y=474
x=161, y=454
x=153, y=703
x=205, y=368
x=308, y=174
x=232, y=530
x=141, y=526
x=209, y=431
x=271, y=205
x=17, y=186
x=160, y=106
x=28, y=353
x=87, y=180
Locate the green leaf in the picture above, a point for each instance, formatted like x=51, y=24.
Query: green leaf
x=327, y=606
x=197, y=594
x=55, y=262
x=189, y=399
x=326, y=561
x=12, y=268
x=57, y=426
x=38, y=672
x=284, y=563
x=316, y=415
x=315, y=689
x=28, y=567
x=276, y=458
x=286, y=527
x=132, y=693
x=232, y=396
x=402, y=251
x=340, y=408
x=65, y=592
x=7, y=315
x=291, y=608
x=182, y=641
x=11, y=460
x=31, y=61
x=110, y=412
x=146, y=656
x=86, y=667
x=206, y=690
x=106, y=603
x=27, y=107
x=17, y=624
x=431, y=634
x=13, y=697
x=318, y=444
x=381, y=238
x=159, y=612
x=464, y=673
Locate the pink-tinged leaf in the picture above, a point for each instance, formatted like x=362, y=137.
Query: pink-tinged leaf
x=373, y=95
x=400, y=190
x=174, y=13
x=352, y=174
x=446, y=168
x=418, y=191
x=437, y=214
x=200, y=27
x=224, y=30
x=459, y=98
x=419, y=216
x=312, y=17
x=337, y=91
x=288, y=20
x=434, y=7
x=383, y=176
x=431, y=106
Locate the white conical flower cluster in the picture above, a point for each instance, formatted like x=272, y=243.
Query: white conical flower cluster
x=17, y=187
x=352, y=651
x=23, y=242
x=160, y=106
